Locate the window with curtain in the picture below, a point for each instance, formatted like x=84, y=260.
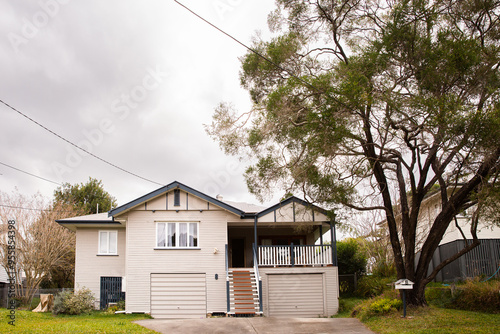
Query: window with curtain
x=177, y=235
x=108, y=243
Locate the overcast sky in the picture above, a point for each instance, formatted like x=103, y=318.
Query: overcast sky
x=131, y=81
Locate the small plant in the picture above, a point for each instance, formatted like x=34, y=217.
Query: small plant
x=68, y=303
x=377, y=306
x=385, y=305
x=120, y=306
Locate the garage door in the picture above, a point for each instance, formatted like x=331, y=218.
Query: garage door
x=295, y=295
x=177, y=296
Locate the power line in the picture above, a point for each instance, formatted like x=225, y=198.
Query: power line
x=78, y=147
x=22, y=171
x=22, y=208
x=245, y=46
x=31, y=209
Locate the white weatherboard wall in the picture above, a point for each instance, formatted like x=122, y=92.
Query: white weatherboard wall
x=143, y=259
x=90, y=267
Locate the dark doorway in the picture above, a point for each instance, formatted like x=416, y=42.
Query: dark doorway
x=238, y=253
x=111, y=291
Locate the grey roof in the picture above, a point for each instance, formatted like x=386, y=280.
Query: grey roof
x=244, y=210
x=98, y=217
x=246, y=207
x=175, y=185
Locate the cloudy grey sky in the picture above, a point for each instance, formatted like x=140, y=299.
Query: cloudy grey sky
x=131, y=81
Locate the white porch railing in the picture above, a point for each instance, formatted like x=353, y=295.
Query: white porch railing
x=300, y=255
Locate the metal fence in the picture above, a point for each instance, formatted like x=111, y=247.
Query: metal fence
x=483, y=260
x=347, y=284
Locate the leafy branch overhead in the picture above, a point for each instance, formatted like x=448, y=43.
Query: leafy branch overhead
x=374, y=104
x=88, y=197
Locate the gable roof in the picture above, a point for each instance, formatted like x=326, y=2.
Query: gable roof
x=167, y=188
x=291, y=199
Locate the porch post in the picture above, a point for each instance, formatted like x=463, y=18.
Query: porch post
x=321, y=234
x=333, y=235
x=255, y=233
x=322, y=249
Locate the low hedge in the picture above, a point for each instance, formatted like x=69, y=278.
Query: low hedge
x=473, y=295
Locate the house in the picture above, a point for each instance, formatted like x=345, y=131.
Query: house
x=179, y=253
x=482, y=260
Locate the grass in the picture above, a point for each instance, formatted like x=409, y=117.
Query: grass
x=433, y=320
x=97, y=322
x=346, y=304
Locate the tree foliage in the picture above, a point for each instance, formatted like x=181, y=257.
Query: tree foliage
x=41, y=245
x=371, y=104
x=350, y=258
x=88, y=197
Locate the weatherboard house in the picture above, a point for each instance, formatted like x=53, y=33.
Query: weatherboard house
x=179, y=253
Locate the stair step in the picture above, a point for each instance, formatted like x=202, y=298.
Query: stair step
x=244, y=298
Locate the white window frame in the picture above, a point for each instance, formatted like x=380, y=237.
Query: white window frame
x=177, y=234
x=107, y=251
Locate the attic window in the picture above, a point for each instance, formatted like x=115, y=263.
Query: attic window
x=177, y=197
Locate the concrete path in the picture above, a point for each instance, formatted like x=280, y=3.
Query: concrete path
x=262, y=325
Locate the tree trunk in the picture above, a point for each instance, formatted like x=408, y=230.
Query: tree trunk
x=416, y=296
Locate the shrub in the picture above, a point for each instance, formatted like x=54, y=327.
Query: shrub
x=350, y=258
x=371, y=286
x=478, y=296
x=377, y=306
x=439, y=296
x=68, y=303
x=60, y=302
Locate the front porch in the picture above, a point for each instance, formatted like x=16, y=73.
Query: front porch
x=278, y=263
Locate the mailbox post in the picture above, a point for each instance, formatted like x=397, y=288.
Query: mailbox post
x=404, y=284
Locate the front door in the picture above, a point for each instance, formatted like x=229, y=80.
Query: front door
x=238, y=253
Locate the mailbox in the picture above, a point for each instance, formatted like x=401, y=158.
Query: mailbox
x=404, y=284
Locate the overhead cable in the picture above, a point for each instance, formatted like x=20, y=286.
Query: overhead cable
x=78, y=147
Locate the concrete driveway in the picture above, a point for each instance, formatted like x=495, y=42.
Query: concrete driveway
x=256, y=325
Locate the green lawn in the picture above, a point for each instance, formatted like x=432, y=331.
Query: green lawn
x=97, y=322
x=433, y=320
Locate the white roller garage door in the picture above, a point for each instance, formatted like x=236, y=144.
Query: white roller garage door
x=296, y=295
x=177, y=296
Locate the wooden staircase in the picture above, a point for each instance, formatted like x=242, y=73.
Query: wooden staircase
x=243, y=293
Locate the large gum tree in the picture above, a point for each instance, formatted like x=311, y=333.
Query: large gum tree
x=371, y=104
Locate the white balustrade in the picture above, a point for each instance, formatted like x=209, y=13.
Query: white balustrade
x=300, y=255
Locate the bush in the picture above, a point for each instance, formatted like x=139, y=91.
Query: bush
x=68, y=303
x=350, y=258
x=472, y=295
x=377, y=306
x=371, y=286
x=439, y=296
x=478, y=296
